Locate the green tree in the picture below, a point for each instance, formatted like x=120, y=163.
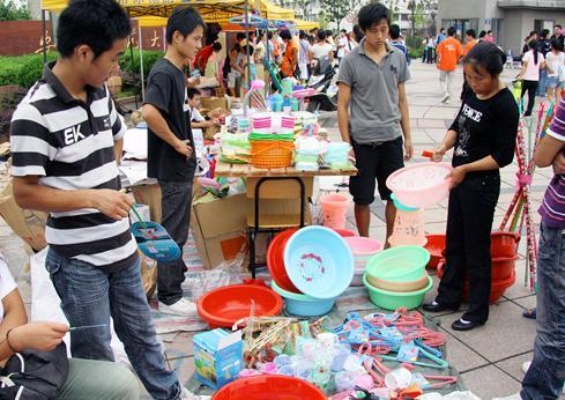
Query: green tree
x=10, y=11
x=336, y=10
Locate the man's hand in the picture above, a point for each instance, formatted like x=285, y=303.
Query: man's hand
x=112, y=203
x=408, y=149
x=559, y=164
x=42, y=336
x=183, y=147
x=457, y=176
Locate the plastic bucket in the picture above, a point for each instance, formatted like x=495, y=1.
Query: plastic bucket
x=334, y=210
x=273, y=387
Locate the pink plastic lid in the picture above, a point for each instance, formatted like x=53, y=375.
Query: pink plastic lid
x=257, y=84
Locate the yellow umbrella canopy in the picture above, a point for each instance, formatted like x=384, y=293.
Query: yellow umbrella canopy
x=211, y=10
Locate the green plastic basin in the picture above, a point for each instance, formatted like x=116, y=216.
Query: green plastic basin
x=392, y=300
x=399, y=264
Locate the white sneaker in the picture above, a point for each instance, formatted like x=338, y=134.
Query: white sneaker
x=515, y=396
x=182, y=307
x=445, y=99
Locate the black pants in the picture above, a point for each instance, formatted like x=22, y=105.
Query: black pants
x=176, y=202
x=469, y=224
x=531, y=87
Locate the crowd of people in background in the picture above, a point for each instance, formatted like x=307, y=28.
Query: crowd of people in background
x=280, y=52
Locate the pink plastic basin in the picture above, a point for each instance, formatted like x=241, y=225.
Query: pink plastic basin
x=420, y=185
x=363, y=246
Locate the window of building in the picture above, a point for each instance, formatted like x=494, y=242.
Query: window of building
x=540, y=25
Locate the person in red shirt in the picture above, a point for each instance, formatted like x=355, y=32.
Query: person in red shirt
x=290, y=57
x=449, y=52
x=202, y=57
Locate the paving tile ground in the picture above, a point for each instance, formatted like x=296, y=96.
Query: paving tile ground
x=489, y=358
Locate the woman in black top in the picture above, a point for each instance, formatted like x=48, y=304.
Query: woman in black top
x=483, y=136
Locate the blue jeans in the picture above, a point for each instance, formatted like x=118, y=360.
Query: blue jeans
x=176, y=202
x=542, y=86
x=90, y=296
x=546, y=375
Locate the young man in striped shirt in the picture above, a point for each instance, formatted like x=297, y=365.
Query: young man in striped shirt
x=546, y=374
x=65, y=137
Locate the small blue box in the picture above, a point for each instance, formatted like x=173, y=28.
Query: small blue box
x=218, y=357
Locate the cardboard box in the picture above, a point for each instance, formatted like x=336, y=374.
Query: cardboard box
x=151, y=196
x=218, y=357
x=218, y=228
x=280, y=188
x=142, y=210
x=213, y=102
x=27, y=224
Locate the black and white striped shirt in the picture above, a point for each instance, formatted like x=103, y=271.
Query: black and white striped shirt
x=69, y=144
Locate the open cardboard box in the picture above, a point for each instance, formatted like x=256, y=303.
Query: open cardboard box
x=27, y=224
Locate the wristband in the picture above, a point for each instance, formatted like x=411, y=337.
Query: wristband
x=8, y=341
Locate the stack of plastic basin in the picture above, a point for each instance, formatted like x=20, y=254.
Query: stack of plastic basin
x=310, y=268
x=334, y=210
x=504, y=248
x=397, y=277
x=363, y=249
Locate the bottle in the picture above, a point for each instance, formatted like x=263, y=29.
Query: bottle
x=286, y=105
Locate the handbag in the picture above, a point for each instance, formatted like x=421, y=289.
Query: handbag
x=34, y=375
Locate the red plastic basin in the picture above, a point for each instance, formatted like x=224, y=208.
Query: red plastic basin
x=504, y=244
x=497, y=288
x=272, y=387
x=275, y=261
x=344, y=232
x=435, y=245
x=224, y=306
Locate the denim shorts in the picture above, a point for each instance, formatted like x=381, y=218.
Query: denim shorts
x=552, y=82
x=375, y=161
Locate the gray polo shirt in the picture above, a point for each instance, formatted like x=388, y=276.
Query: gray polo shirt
x=374, y=112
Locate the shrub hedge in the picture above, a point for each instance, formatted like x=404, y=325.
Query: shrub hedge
x=25, y=70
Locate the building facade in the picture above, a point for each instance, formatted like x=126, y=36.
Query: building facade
x=510, y=20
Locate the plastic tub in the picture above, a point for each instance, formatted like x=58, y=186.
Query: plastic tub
x=224, y=306
x=497, y=288
x=302, y=305
x=504, y=244
x=344, y=232
x=272, y=387
x=393, y=300
x=435, y=245
x=363, y=249
x=275, y=261
x=363, y=246
x=420, y=185
x=399, y=286
x=319, y=262
x=399, y=264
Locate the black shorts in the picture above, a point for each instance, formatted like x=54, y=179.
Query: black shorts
x=377, y=160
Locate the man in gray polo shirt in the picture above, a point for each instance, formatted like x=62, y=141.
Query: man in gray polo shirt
x=373, y=114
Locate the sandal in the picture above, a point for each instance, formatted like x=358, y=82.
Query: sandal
x=529, y=313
